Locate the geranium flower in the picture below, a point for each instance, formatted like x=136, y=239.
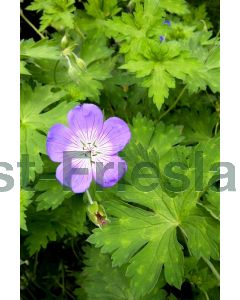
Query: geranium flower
x=162, y=38
x=167, y=22
x=92, y=144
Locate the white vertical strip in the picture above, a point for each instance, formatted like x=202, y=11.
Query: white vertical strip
x=9, y=149
x=230, y=150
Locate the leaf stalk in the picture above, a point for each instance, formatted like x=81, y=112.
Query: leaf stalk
x=90, y=200
x=212, y=268
x=31, y=25
x=174, y=103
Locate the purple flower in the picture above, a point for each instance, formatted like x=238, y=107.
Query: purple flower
x=162, y=38
x=92, y=144
x=167, y=22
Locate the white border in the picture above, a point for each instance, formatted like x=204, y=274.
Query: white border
x=9, y=149
x=230, y=128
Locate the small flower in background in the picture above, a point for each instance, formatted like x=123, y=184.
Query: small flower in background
x=99, y=141
x=167, y=22
x=162, y=38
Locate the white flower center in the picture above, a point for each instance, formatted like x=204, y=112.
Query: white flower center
x=91, y=150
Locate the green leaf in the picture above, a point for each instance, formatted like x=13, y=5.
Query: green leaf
x=99, y=280
x=46, y=226
x=203, y=127
x=165, y=137
x=199, y=275
x=161, y=68
x=133, y=31
x=184, y=55
x=37, y=118
x=207, y=49
x=53, y=194
x=25, y=200
x=148, y=136
x=142, y=130
x=211, y=203
x=102, y=9
x=56, y=13
x=92, y=19
x=84, y=81
x=101, y=52
x=23, y=69
x=33, y=52
x=177, y=7
x=43, y=49
x=146, y=237
x=213, y=69
x=198, y=166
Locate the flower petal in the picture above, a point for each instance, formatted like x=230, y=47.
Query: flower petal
x=68, y=175
x=86, y=121
x=108, y=170
x=114, y=136
x=59, y=138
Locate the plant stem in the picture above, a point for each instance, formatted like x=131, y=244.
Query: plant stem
x=206, y=295
x=212, y=268
x=90, y=200
x=63, y=279
x=174, y=103
x=35, y=264
x=207, y=261
x=66, y=291
x=184, y=235
x=73, y=250
x=55, y=71
x=31, y=25
x=213, y=46
x=216, y=129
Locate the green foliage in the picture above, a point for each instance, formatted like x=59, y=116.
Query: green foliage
x=102, y=9
x=211, y=204
x=25, y=200
x=53, y=194
x=153, y=136
x=23, y=69
x=41, y=50
x=52, y=225
x=37, y=118
x=86, y=81
x=100, y=281
x=32, y=52
x=79, y=70
x=154, y=64
x=160, y=67
x=200, y=276
x=146, y=237
x=56, y=13
x=159, y=64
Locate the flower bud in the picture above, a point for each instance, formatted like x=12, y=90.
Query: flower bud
x=97, y=214
x=68, y=50
x=81, y=63
x=73, y=72
x=64, y=41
